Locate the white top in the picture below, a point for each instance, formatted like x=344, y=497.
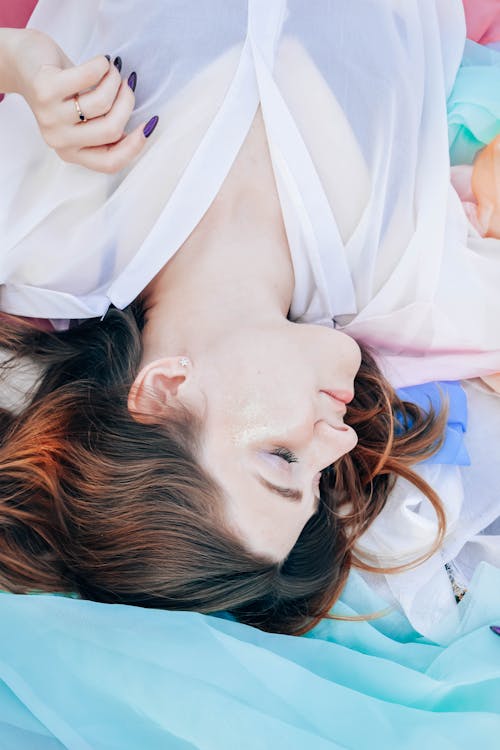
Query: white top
x=353, y=96
x=407, y=526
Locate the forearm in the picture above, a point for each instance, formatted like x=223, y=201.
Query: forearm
x=11, y=41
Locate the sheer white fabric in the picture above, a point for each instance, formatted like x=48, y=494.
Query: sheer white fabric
x=353, y=96
x=407, y=526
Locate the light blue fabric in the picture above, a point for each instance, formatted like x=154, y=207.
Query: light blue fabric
x=87, y=676
x=474, y=103
x=453, y=450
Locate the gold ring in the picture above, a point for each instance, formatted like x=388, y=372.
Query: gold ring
x=79, y=112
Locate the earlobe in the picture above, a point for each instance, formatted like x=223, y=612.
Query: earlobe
x=157, y=387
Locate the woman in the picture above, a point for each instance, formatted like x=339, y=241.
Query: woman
x=172, y=454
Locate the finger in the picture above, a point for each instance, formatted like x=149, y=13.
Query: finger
x=107, y=129
x=111, y=159
x=485, y=213
x=496, y=161
x=79, y=78
x=97, y=102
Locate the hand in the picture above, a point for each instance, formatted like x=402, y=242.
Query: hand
x=49, y=81
x=486, y=187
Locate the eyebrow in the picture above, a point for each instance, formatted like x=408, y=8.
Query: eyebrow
x=295, y=495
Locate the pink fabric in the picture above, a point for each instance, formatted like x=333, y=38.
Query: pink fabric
x=483, y=20
x=16, y=14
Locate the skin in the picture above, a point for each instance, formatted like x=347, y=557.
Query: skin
x=258, y=379
x=34, y=66
x=486, y=187
x=262, y=384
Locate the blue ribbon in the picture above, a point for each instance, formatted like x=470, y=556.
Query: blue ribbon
x=453, y=450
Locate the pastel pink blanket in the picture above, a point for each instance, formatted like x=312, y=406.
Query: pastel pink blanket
x=483, y=20
x=16, y=14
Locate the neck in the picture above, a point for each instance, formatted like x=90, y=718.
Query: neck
x=234, y=269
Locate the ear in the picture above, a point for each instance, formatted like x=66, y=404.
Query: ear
x=158, y=385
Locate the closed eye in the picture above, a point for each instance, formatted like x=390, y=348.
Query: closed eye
x=290, y=494
x=285, y=454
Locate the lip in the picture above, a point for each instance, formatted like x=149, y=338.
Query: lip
x=344, y=397
x=339, y=412
x=334, y=395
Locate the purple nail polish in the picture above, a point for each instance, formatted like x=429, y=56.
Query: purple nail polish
x=150, y=126
x=132, y=80
x=117, y=62
x=495, y=629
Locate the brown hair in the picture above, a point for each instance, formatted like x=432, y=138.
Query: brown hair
x=96, y=503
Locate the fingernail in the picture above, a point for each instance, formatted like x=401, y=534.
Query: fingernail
x=117, y=62
x=495, y=629
x=107, y=58
x=150, y=126
x=132, y=80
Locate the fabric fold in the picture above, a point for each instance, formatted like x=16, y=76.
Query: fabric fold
x=110, y=676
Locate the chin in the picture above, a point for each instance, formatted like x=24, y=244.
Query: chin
x=357, y=356
x=351, y=439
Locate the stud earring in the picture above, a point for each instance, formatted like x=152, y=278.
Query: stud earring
x=184, y=361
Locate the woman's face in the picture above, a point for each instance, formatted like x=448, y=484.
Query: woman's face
x=273, y=424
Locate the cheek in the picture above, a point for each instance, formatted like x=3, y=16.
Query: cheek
x=257, y=405
x=253, y=427
x=260, y=420
x=242, y=418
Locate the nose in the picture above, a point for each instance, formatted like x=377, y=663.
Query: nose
x=331, y=443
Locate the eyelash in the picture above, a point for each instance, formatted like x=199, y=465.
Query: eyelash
x=285, y=454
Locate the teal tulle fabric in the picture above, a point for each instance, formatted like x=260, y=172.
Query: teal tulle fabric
x=90, y=676
x=474, y=103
